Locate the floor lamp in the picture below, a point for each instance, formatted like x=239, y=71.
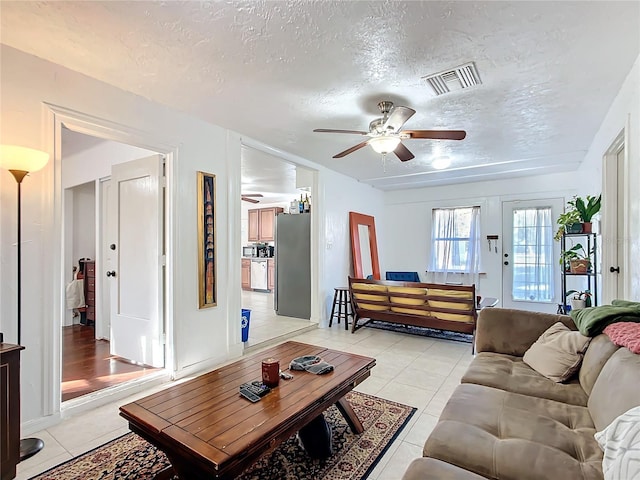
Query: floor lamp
x=20, y=161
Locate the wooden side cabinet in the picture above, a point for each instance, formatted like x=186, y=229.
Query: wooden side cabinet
x=262, y=222
x=271, y=274
x=246, y=274
x=90, y=291
x=9, y=409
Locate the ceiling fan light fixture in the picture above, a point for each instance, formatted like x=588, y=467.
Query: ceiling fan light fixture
x=441, y=163
x=384, y=144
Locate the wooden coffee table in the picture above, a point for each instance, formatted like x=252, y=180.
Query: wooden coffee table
x=208, y=431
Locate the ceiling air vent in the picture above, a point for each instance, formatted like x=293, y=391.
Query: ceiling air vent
x=464, y=76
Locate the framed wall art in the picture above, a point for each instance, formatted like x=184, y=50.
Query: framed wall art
x=206, y=240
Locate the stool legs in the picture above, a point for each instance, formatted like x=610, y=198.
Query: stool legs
x=333, y=308
x=345, y=309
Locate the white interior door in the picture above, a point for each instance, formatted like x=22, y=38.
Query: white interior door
x=136, y=274
x=530, y=271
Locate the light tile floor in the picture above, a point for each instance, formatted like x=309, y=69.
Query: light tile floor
x=264, y=325
x=418, y=371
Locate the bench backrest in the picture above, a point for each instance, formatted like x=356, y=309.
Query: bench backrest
x=445, y=302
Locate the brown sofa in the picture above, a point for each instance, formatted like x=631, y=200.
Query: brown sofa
x=507, y=422
x=444, y=307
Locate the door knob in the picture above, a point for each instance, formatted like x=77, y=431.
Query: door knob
x=112, y=273
x=614, y=269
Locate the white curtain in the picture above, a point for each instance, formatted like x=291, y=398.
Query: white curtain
x=533, y=255
x=455, y=246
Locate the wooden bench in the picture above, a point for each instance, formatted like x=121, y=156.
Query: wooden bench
x=439, y=306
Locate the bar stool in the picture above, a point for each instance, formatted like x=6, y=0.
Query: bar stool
x=341, y=298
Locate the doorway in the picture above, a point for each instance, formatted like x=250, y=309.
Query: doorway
x=270, y=185
x=530, y=271
x=113, y=238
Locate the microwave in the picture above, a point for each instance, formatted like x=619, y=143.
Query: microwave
x=251, y=251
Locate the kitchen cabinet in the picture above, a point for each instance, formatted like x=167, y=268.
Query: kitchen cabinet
x=271, y=274
x=262, y=223
x=254, y=227
x=246, y=274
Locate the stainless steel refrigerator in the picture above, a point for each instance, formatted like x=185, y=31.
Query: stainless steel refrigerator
x=293, y=265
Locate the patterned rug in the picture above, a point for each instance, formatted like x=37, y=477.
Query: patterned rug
x=355, y=456
x=423, y=331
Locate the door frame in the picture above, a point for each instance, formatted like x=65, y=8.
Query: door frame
x=609, y=231
x=57, y=117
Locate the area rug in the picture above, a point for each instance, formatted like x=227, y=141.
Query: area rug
x=355, y=456
x=423, y=331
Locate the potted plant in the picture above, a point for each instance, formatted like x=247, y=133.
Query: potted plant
x=579, y=299
x=576, y=259
x=578, y=215
x=587, y=210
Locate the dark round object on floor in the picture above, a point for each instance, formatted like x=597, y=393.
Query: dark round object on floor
x=29, y=447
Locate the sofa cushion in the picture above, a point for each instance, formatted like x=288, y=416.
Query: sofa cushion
x=508, y=436
x=511, y=374
x=616, y=389
x=458, y=294
x=558, y=353
x=600, y=350
x=378, y=294
x=409, y=290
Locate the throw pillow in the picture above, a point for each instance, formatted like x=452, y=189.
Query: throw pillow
x=558, y=353
x=620, y=443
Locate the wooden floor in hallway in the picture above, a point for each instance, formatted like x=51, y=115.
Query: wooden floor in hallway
x=87, y=365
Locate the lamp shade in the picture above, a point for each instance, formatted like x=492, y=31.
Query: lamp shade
x=384, y=144
x=14, y=157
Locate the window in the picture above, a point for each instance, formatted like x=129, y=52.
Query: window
x=455, y=240
x=533, y=264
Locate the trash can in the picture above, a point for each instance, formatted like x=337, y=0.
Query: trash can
x=246, y=315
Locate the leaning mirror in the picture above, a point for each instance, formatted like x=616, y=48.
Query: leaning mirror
x=364, y=246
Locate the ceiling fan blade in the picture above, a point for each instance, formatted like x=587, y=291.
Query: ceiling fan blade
x=252, y=195
x=250, y=200
x=403, y=153
x=329, y=130
x=436, y=134
x=351, y=150
x=398, y=117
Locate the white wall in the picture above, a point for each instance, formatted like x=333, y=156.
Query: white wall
x=625, y=110
x=339, y=196
x=406, y=232
x=199, y=336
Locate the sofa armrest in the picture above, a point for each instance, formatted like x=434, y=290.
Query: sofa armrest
x=503, y=330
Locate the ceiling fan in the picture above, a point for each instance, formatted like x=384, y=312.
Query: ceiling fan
x=247, y=197
x=386, y=136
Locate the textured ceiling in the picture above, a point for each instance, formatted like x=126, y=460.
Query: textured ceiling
x=276, y=70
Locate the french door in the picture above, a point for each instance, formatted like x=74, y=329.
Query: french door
x=530, y=270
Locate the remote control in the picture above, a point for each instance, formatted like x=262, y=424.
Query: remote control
x=256, y=387
x=252, y=397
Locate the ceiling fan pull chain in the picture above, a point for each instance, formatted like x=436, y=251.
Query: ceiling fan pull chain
x=384, y=165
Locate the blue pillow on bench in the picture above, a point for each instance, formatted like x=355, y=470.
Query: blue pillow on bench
x=403, y=276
